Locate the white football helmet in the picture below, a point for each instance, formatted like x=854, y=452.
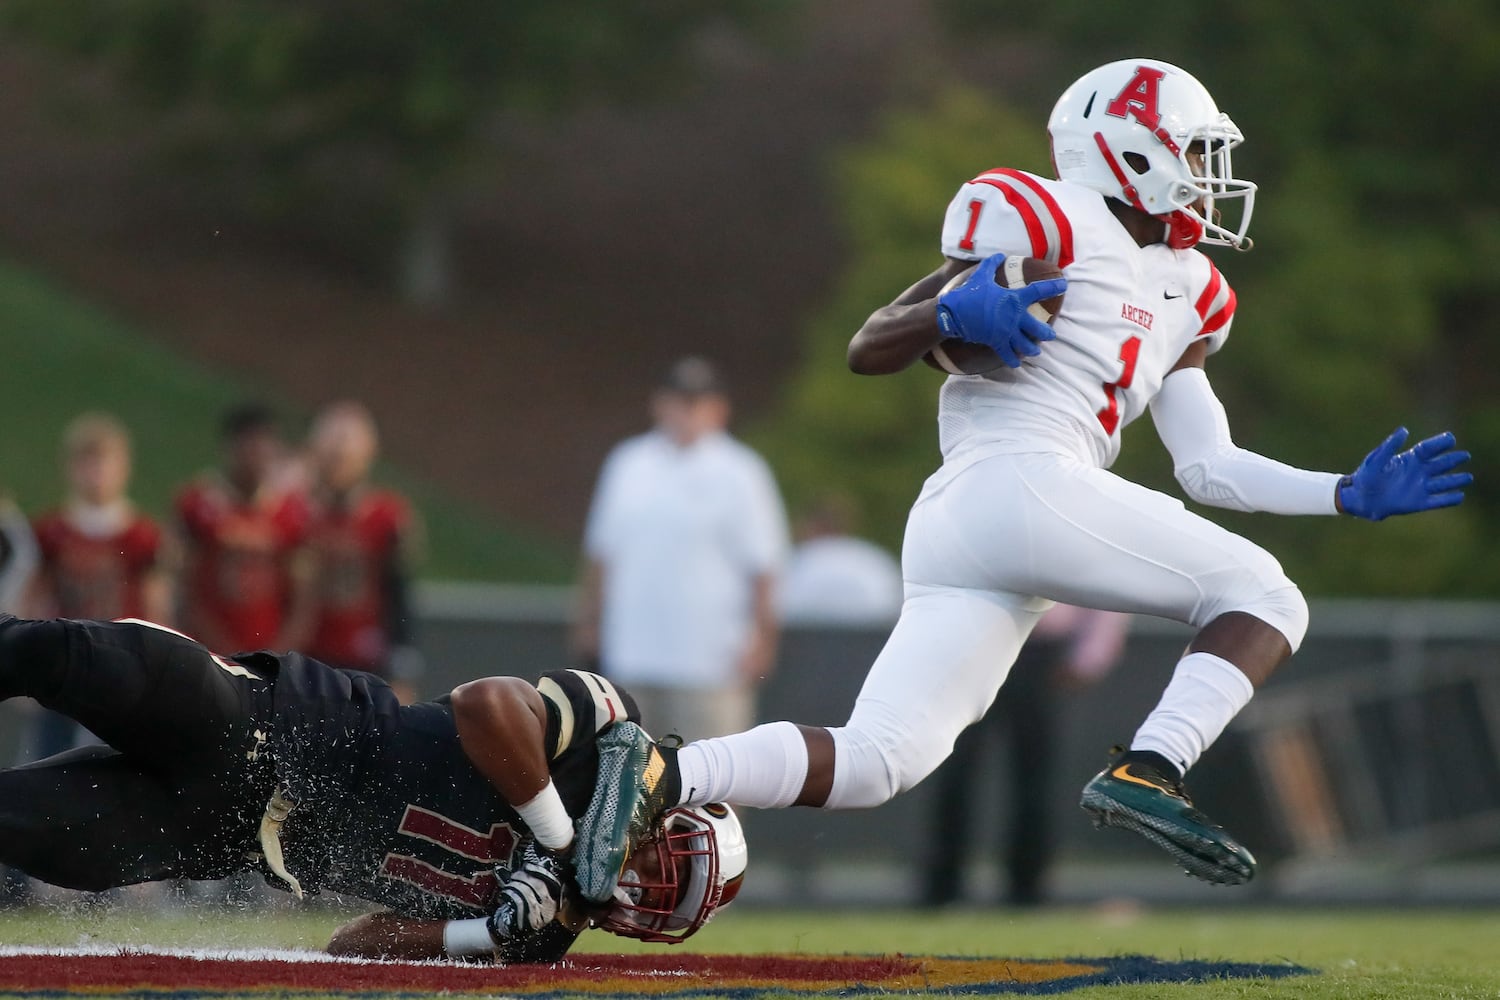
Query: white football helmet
x=675, y=881
x=1126, y=129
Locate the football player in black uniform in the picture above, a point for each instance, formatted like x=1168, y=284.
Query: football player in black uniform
x=454, y=814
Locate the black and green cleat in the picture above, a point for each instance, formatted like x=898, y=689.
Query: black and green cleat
x=1133, y=793
x=637, y=783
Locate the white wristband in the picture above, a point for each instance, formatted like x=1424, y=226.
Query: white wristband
x=547, y=818
x=463, y=938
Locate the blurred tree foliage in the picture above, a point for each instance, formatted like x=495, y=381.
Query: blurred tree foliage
x=1373, y=298
x=369, y=110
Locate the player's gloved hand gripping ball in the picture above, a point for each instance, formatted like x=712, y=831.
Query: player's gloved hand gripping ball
x=982, y=312
x=1417, y=479
x=529, y=895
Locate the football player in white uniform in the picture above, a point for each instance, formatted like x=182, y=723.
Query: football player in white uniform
x=1023, y=512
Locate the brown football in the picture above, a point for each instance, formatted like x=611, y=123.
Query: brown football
x=959, y=357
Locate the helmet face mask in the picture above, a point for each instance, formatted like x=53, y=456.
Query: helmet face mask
x=677, y=879
x=1148, y=134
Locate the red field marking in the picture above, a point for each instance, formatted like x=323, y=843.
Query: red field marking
x=129, y=971
x=740, y=976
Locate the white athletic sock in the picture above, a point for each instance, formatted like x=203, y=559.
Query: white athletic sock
x=763, y=768
x=1206, y=691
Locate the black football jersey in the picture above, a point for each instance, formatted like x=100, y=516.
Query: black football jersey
x=387, y=806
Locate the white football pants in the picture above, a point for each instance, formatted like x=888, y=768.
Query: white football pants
x=987, y=550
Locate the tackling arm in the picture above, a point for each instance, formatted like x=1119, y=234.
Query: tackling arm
x=896, y=336
x=511, y=732
x=385, y=935
x=501, y=724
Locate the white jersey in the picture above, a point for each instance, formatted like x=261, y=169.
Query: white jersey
x=1023, y=512
x=1129, y=314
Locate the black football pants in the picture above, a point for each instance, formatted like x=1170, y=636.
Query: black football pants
x=175, y=794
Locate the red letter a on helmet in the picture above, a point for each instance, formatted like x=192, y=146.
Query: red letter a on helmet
x=1139, y=98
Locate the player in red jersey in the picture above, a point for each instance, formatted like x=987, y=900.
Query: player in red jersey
x=361, y=539
x=244, y=531
x=100, y=557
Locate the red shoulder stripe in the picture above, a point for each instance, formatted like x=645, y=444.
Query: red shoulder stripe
x=1215, y=280
x=1033, y=222
x=1218, y=319
x=1064, y=227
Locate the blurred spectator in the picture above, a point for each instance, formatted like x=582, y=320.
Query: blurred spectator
x=18, y=555
x=684, y=540
x=833, y=576
x=362, y=540
x=18, y=558
x=244, y=530
x=1069, y=647
x=99, y=556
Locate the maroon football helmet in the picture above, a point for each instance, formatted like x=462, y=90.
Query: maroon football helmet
x=677, y=880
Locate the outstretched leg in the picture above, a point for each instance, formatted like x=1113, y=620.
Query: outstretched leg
x=1141, y=790
x=157, y=696
x=94, y=819
x=938, y=673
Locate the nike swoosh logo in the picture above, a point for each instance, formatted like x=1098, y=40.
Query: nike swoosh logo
x=1169, y=296
x=1123, y=773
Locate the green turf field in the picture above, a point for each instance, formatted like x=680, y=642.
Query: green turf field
x=1416, y=953
x=63, y=356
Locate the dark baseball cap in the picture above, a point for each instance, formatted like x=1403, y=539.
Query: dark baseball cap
x=692, y=376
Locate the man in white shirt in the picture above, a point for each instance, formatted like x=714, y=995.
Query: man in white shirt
x=684, y=541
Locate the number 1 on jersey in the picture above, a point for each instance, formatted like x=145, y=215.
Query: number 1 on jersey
x=975, y=207
x=1130, y=352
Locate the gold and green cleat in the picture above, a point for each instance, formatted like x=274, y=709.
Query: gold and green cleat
x=635, y=786
x=1134, y=794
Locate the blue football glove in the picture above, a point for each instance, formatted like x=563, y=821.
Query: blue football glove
x=529, y=895
x=982, y=312
x=1414, y=480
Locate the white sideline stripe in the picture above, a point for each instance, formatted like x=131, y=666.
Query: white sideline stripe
x=201, y=954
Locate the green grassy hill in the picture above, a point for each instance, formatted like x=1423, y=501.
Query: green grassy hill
x=61, y=356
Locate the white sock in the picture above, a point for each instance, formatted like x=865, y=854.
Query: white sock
x=763, y=768
x=1206, y=691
